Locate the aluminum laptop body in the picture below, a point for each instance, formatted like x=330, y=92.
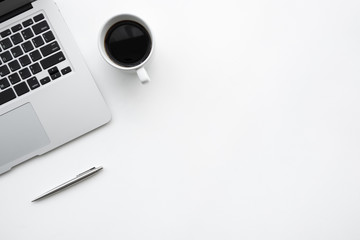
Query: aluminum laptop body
x=47, y=94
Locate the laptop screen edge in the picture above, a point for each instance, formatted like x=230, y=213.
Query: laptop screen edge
x=7, y=6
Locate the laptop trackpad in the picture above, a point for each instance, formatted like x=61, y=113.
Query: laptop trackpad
x=21, y=133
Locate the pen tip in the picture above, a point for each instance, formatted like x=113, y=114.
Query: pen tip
x=38, y=198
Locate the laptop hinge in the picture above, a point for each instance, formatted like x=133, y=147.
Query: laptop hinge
x=16, y=12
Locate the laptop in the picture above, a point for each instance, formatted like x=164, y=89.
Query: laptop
x=47, y=94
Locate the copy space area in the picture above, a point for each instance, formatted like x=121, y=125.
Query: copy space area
x=248, y=130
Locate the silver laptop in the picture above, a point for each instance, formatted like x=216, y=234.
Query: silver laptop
x=47, y=95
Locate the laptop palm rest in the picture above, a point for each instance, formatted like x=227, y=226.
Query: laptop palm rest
x=21, y=133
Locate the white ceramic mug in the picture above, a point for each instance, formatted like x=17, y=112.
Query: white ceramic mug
x=138, y=67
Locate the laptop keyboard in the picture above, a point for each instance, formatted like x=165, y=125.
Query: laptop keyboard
x=30, y=58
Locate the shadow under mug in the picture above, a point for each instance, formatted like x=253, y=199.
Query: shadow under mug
x=138, y=27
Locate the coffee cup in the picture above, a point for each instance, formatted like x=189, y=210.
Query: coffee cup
x=126, y=43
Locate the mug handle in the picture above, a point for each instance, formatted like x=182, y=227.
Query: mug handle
x=142, y=74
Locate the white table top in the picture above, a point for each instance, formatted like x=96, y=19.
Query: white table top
x=248, y=130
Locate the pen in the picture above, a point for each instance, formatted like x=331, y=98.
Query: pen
x=80, y=177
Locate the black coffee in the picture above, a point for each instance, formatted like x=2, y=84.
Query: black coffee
x=128, y=43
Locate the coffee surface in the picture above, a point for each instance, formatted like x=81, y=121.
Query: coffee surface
x=128, y=43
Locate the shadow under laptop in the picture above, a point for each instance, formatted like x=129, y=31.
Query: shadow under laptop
x=46, y=155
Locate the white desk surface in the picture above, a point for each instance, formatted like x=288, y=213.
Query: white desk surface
x=250, y=129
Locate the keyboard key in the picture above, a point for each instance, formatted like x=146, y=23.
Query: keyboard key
x=14, y=65
x=16, y=39
x=55, y=76
x=38, y=41
x=4, y=70
x=4, y=83
x=24, y=73
x=7, y=96
x=66, y=70
x=6, y=43
x=16, y=28
x=40, y=27
x=14, y=78
x=17, y=52
x=50, y=48
x=54, y=73
x=21, y=89
x=24, y=60
x=52, y=60
x=53, y=70
x=35, y=68
x=5, y=33
x=27, y=33
x=48, y=36
x=27, y=46
x=35, y=55
x=33, y=83
x=39, y=17
x=6, y=56
x=45, y=80
x=28, y=23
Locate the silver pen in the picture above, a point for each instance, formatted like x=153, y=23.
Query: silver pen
x=77, y=179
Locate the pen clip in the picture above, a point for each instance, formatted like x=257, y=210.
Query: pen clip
x=86, y=172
